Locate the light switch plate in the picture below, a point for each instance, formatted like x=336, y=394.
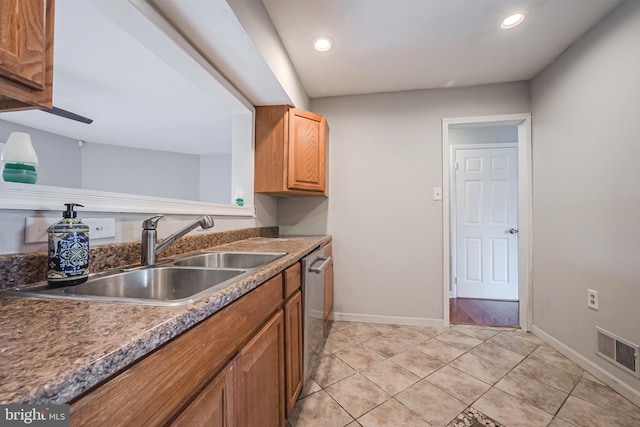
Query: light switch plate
x=437, y=193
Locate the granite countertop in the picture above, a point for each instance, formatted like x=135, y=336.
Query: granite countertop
x=53, y=350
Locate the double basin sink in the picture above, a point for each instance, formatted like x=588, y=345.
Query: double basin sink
x=172, y=282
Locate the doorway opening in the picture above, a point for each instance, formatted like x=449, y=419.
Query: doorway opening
x=487, y=208
x=483, y=312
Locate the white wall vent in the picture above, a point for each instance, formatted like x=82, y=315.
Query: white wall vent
x=618, y=351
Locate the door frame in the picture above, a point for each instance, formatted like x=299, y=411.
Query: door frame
x=525, y=248
x=454, y=211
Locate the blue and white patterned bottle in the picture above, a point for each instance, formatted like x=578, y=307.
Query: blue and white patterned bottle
x=68, y=261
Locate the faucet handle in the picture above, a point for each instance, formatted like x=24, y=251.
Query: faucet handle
x=151, y=223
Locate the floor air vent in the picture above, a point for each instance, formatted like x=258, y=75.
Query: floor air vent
x=617, y=351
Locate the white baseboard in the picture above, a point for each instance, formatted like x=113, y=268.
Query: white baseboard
x=393, y=320
x=614, y=382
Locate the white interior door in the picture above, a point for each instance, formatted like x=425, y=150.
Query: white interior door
x=486, y=223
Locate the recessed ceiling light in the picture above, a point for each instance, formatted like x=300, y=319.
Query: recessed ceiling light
x=512, y=21
x=322, y=44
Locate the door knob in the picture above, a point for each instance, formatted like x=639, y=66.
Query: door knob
x=513, y=231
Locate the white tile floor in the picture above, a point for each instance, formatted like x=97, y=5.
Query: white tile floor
x=375, y=375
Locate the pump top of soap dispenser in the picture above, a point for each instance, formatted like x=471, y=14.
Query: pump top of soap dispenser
x=70, y=213
x=69, y=221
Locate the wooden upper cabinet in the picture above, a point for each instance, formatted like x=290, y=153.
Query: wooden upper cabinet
x=306, y=165
x=26, y=54
x=290, y=152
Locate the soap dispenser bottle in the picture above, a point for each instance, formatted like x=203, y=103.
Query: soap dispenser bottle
x=68, y=261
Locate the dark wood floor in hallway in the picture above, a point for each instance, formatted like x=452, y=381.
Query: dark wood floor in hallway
x=469, y=311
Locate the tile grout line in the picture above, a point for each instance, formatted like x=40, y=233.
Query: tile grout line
x=505, y=333
x=554, y=415
x=446, y=365
x=391, y=396
x=490, y=385
x=494, y=385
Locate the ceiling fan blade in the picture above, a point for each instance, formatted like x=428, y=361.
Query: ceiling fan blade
x=67, y=115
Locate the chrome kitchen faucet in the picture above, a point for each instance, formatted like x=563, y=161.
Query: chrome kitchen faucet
x=150, y=246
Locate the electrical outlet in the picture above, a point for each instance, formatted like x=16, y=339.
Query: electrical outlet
x=592, y=299
x=100, y=228
x=36, y=228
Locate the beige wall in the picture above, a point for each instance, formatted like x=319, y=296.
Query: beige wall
x=385, y=157
x=128, y=226
x=586, y=188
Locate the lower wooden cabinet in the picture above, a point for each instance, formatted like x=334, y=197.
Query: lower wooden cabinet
x=240, y=367
x=155, y=390
x=215, y=405
x=293, y=348
x=261, y=377
x=328, y=288
x=328, y=295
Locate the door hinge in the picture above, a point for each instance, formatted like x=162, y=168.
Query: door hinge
x=455, y=280
x=455, y=165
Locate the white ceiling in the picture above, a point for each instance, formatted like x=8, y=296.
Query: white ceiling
x=114, y=66
x=394, y=45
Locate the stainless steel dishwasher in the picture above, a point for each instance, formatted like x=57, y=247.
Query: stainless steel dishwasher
x=313, y=266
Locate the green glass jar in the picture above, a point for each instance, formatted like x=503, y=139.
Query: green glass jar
x=19, y=172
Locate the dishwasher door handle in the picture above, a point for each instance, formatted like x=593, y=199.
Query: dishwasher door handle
x=320, y=269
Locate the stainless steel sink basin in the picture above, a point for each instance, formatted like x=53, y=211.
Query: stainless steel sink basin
x=175, y=282
x=151, y=286
x=229, y=259
x=163, y=283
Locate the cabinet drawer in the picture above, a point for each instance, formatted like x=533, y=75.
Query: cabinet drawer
x=292, y=280
x=328, y=249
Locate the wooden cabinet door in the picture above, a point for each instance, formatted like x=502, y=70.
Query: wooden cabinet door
x=306, y=163
x=260, y=377
x=215, y=405
x=293, y=348
x=328, y=286
x=26, y=52
x=328, y=295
